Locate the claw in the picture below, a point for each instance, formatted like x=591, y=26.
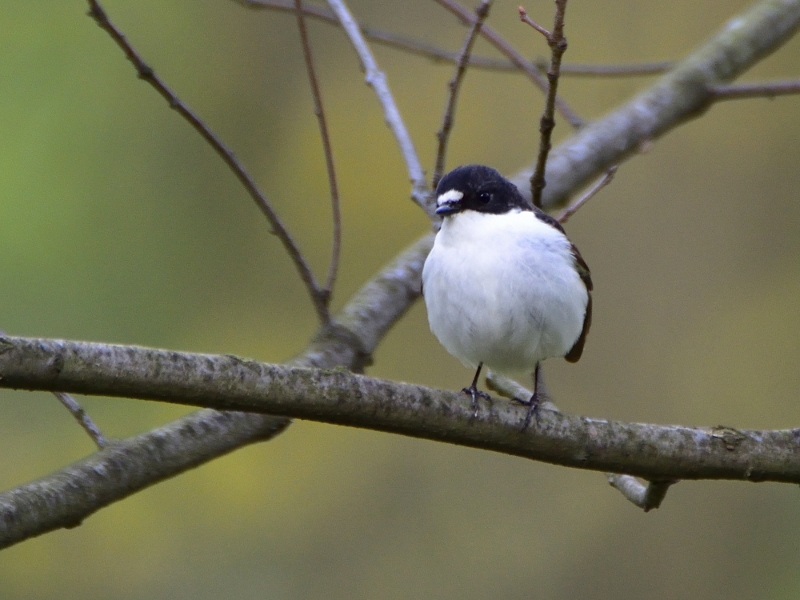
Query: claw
x=475, y=393
x=534, y=410
x=533, y=404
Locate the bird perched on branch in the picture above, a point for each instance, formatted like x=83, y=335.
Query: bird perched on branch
x=503, y=285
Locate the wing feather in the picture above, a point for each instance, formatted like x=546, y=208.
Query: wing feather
x=586, y=277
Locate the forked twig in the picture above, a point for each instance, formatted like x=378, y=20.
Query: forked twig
x=326, y=146
x=376, y=79
x=739, y=91
x=598, y=185
x=481, y=12
x=146, y=73
x=83, y=419
x=515, y=57
x=558, y=45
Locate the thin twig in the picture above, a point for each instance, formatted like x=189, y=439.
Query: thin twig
x=598, y=185
x=632, y=70
x=376, y=79
x=523, y=16
x=436, y=54
x=645, y=497
x=515, y=57
x=558, y=45
x=83, y=419
x=454, y=86
x=387, y=38
x=146, y=73
x=319, y=111
x=755, y=90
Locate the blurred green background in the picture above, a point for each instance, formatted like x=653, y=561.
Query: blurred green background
x=117, y=223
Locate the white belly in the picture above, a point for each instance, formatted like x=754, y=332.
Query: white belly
x=503, y=290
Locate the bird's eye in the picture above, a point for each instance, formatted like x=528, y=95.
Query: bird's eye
x=485, y=197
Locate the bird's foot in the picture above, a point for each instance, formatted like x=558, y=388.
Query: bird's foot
x=475, y=393
x=534, y=410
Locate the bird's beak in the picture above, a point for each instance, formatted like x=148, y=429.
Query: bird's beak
x=449, y=208
x=449, y=203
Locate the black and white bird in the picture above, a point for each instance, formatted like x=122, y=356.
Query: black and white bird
x=503, y=285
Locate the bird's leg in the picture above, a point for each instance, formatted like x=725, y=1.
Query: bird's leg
x=533, y=403
x=474, y=392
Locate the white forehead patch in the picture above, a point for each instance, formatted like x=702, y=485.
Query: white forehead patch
x=449, y=196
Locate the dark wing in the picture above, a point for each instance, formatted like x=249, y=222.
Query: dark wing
x=583, y=271
x=586, y=277
x=582, y=268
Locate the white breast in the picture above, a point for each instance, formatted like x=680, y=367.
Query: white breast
x=503, y=290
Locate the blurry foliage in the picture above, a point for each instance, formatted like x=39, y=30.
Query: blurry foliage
x=118, y=224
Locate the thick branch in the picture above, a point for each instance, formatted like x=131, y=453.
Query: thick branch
x=339, y=396
x=51, y=501
x=64, y=498
x=646, y=497
x=682, y=94
x=67, y=497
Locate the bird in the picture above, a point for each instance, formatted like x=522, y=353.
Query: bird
x=503, y=285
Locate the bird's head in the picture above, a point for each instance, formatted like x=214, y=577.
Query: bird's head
x=478, y=188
